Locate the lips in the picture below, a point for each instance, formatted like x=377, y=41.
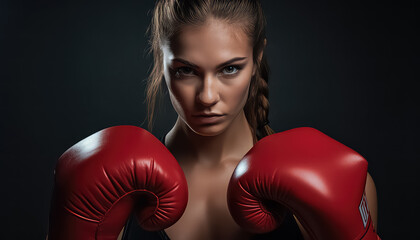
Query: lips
x=208, y=118
x=208, y=115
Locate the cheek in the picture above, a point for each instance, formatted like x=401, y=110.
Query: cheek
x=238, y=95
x=182, y=96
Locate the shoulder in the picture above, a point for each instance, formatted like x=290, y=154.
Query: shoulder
x=370, y=187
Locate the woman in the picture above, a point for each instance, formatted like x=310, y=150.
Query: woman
x=211, y=56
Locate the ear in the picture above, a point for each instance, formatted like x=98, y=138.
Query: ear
x=260, y=55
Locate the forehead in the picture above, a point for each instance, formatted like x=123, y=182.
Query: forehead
x=215, y=40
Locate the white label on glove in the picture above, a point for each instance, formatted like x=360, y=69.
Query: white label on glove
x=364, y=210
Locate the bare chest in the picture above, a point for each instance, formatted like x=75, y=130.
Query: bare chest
x=207, y=215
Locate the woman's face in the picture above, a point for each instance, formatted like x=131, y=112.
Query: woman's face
x=208, y=71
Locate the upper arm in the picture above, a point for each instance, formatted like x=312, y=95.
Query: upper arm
x=372, y=200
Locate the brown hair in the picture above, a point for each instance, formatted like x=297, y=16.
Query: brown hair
x=169, y=16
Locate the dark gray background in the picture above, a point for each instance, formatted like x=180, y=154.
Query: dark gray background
x=69, y=70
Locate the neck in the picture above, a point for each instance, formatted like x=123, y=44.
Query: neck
x=232, y=144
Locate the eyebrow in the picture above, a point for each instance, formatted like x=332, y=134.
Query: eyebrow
x=218, y=66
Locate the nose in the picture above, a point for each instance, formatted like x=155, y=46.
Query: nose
x=208, y=94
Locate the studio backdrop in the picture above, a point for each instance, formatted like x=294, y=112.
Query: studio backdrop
x=70, y=69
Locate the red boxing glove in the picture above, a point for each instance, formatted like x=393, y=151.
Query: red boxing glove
x=320, y=180
x=103, y=178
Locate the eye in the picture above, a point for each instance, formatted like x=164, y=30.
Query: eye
x=184, y=71
x=230, y=70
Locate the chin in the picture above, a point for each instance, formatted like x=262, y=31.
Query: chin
x=209, y=130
